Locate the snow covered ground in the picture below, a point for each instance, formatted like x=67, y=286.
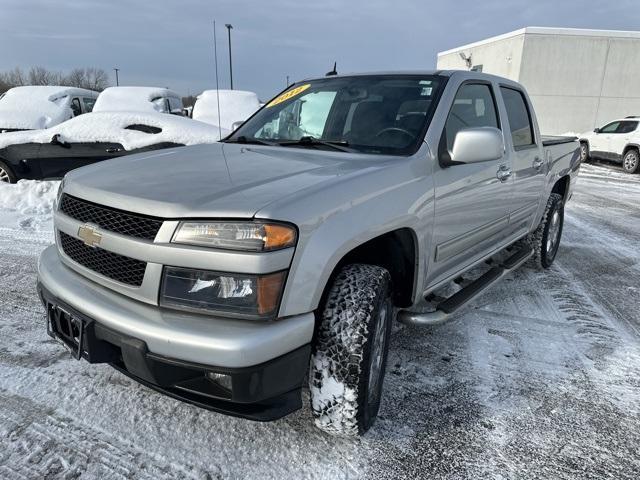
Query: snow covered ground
x=539, y=378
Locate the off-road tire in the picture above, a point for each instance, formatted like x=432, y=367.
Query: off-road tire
x=542, y=256
x=585, y=155
x=343, y=352
x=6, y=174
x=631, y=161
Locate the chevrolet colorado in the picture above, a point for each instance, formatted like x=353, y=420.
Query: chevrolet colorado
x=225, y=275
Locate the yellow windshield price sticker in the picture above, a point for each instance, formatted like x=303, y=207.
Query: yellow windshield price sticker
x=288, y=94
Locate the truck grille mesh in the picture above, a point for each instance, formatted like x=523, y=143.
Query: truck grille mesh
x=117, y=221
x=117, y=267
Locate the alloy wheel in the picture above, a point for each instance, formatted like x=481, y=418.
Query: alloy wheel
x=631, y=161
x=4, y=176
x=553, y=233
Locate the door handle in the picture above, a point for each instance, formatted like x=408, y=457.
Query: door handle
x=538, y=163
x=112, y=150
x=503, y=173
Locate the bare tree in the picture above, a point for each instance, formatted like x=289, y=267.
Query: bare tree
x=91, y=78
x=96, y=79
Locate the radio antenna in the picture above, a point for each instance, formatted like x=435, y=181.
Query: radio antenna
x=215, y=55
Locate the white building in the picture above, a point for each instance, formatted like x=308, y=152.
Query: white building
x=577, y=79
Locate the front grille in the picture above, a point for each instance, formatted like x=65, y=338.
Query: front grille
x=124, y=223
x=117, y=267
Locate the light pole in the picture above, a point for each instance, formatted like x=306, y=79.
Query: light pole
x=117, y=80
x=229, y=27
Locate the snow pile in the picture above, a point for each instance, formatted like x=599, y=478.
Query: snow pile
x=29, y=196
x=36, y=107
x=135, y=99
x=235, y=105
x=112, y=127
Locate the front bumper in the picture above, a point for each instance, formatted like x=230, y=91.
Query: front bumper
x=172, y=352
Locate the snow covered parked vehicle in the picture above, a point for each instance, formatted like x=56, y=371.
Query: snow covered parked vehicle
x=139, y=99
x=37, y=107
x=97, y=136
x=235, y=107
x=223, y=274
x=618, y=141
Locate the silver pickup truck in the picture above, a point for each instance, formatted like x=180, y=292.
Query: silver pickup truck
x=225, y=275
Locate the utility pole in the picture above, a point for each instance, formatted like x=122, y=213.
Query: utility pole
x=229, y=27
x=117, y=80
x=287, y=81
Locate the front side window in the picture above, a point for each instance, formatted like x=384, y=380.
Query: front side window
x=75, y=107
x=610, y=128
x=519, y=117
x=378, y=114
x=473, y=107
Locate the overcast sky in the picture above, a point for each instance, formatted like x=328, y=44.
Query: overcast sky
x=170, y=43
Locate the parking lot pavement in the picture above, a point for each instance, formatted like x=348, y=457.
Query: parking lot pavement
x=538, y=378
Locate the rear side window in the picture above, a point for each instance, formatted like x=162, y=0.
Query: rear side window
x=627, y=127
x=473, y=107
x=75, y=107
x=88, y=103
x=519, y=117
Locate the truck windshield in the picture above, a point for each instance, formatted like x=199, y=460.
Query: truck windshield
x=378, y=114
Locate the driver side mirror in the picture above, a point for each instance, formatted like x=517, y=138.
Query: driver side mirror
x=596, y=130
x=236, y=125
x=57, y=140
x=481, y=144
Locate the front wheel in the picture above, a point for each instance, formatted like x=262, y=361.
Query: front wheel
x=6, y=174
x=545, y=239
x=350, y=352
x=631, y=161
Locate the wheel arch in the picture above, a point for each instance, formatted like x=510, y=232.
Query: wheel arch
x=562, y=186
x=397, y=251
x=630, y=146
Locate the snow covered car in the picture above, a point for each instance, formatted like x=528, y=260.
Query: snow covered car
x=618, y=141
x=41, y=154
x=226, y=274
x=235, y=107
x=37, y=107
x=139, y=99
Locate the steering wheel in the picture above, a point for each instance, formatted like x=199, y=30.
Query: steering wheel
x=395, y=130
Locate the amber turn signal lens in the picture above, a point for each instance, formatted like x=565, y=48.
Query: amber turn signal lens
x=269, y=290
x=278, y=236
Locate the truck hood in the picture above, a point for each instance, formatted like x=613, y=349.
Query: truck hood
x=217, y=180
x=23, y=120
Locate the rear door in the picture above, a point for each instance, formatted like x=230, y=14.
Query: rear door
x=55, y=159
x=621, y=138
x=471, y=202
x=528, y=165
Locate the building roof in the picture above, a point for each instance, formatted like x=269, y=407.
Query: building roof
x=576, y=32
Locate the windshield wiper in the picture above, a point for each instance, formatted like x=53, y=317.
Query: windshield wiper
x=250, y=141
x=312, y=141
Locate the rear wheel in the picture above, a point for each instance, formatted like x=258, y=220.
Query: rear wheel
x=584, y=152
x=6, y=174
x=545, y=240
x=631, y=161
x=350, y=352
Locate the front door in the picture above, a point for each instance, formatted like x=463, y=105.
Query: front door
x=599, y=143
x=471, y=200
x=56, y=159
x=527, y=161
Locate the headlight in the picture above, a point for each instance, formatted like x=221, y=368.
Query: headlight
x=228, y=294
x=245, y=236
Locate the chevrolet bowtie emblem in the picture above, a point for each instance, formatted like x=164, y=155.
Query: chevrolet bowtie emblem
x=89, y=235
